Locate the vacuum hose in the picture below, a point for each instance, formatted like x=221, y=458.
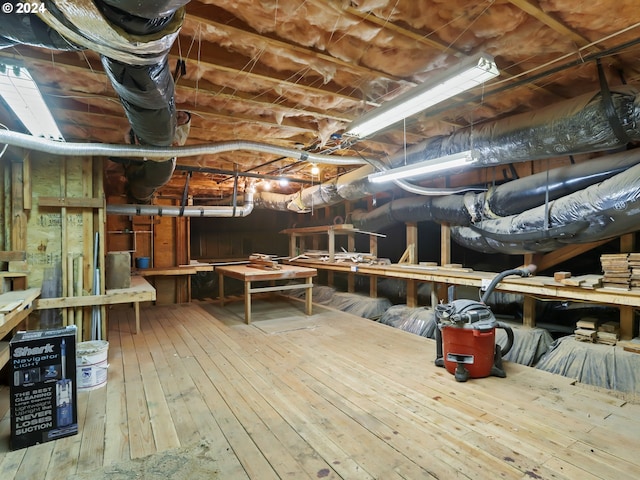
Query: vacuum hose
x=523, y=272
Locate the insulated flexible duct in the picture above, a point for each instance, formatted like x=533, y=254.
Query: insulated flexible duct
x=510, y=198
x=133, y=39
x=601, y=211
x=580, y=125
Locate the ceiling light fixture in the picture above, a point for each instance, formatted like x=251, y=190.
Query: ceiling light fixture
x=21, y=93
x=460, y=159
x=315, y=170
x=468, y=74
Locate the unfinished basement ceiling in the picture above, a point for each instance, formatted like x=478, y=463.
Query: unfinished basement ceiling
x=295, y=73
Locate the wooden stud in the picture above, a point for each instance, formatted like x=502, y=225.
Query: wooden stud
x=412, y=242
x=445, y=244
x=627, y=317
x=529, y=312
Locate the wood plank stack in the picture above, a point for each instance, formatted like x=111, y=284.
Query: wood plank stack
x=634, y=265
x=608, y=333
x=617, y=273
x=591, y=330
x=586, y=330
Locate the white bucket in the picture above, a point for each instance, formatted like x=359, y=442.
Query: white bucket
x=91, y=364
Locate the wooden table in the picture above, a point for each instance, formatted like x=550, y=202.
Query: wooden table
x=139, y=291
x=249, y=274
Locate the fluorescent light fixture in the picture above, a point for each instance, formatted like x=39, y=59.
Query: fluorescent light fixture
x=468, y=74
x=21, y=93
x=447, y=162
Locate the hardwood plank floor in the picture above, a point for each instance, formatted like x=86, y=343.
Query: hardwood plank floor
x=327, y=396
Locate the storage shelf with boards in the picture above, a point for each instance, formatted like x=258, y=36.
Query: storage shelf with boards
x=14, y=308
x=129, y=242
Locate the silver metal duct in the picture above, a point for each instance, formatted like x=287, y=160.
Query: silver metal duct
x=162, y=153
x=187, y=211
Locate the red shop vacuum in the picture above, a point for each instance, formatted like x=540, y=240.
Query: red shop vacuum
x=466, y=333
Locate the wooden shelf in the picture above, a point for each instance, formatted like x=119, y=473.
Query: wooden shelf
x=531, y=287
x=331, y=231
x=19, y=305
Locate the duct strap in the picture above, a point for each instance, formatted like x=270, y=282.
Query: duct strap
x=82, y=23
x=609, y=107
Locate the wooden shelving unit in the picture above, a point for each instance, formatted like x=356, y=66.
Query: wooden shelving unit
x=14, y=308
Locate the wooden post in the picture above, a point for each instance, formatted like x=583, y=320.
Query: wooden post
x=18, y=217
x=27, y=196
x=64, y=238
x=628, y=243
x=373, y=280
x=627, y=316
x=412, y=293
x=351, y=277
x=529, y=312
x=445, y=258
x=412, y=242
x=445, y=244
x=332, y=244
x=292, y=245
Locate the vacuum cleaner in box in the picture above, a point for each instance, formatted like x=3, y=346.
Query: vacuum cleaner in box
x=43, y=388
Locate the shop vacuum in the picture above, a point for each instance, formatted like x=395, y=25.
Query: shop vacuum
x=466, y=332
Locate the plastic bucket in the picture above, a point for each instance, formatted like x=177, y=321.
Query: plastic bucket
x=142, y=262
x=91, y=364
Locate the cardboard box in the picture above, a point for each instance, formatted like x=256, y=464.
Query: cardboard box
x=43, y=386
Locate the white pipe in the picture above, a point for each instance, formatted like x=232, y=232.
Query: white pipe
x=187, y=211
x=163, y=153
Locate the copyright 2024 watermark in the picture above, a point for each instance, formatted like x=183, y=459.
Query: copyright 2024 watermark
x=23, y=8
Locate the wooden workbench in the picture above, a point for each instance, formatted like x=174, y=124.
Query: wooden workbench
x=531, y=287
x=139, y=291
x=249, y=274
x=182, y=292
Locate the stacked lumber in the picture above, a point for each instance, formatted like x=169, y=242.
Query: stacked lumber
x=608, y=333
x=586, y=330
x=565, y=278
x=341, y=257
x=591, y=330
x=632, y=346
x=617, y=273
x=263, y=262
x=634, y=266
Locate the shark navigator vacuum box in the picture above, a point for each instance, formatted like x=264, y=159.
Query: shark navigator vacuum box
x=43, y=387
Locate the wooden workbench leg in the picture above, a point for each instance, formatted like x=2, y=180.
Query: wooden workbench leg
x=309, y=296
x=626, y=322
x=247, y=302
x=529, y=312
x=434, y=295
x=373, y=286
x=221, y=289
x=412, y=293
x=136, y=309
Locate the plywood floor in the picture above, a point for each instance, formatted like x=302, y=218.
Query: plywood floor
x=327, y=396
